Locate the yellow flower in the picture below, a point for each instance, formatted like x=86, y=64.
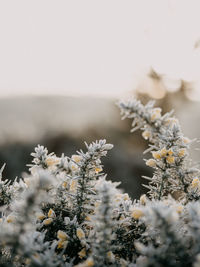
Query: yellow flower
x=62, y=244
x=163, y=152
x=10, y=218
x=170, y=152
x=118, y=197
x=156, y=114
x=170, y=159
x=195, y=183
x=27, y=181
x=122, y=217
x=88, y=218
x=51, y=214
x=51, y=161
x=36, y=256
x=80, y=233
x=137, y=213
x=98, y=169
x=123, y=263
x=171, y=121
x=48, y=221
x=146, y=134
x=151, y=163
x=126, y=196
x=40, y=216
x=76, y=158
x=182, y=152
x=82, y=253
x=73, y=185
x=61, y=235
x=179, y=209
x=74, y=167
x=64, y=184
x=186, y=140
x=110, y=256
x=156, y=154
x=28, y=261
x=89, y=262
x=143, y=199
x=97, y=204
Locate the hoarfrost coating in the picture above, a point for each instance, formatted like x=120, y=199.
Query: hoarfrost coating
x=65, y=213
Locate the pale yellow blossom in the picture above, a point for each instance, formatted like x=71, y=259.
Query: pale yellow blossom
x=97, y=204
x=64, y=184
x=126, y=196
x=36, y=255
x=186, y=140
x=88, y=263
x=74, y=167
x=82, y=253
x=163, y=152
x=98, y=169
x=51, y=213
x=48, y=221
x=156, y=114
x=156, y=154
x=80, y=234
x=118, y=197
x=179, y=209
x=61, y=235
x=170, y=152
x=88, y=218
x=171, y=121
x=27, y=261
x=76, y=158
x=195, y=183
x=62, y=244
x=170, y=159
x=73, y=186
x=146, y=134
x=40, y=216
x=182, y=152
x=28, y=181
x=51, y=161
x=122, y=217
x=151, y=163
x=137, y=213
x=110, y=256
x=10, y=218
x=143, y=199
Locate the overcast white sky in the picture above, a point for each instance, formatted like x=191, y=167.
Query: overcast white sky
x=83, y=47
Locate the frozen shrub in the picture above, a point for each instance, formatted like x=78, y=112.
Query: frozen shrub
x=169, y=148
x=65, y=212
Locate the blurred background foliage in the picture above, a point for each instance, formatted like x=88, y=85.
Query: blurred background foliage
x=64, y=123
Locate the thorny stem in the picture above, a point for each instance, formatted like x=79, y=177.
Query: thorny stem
x=80, y=197
x=161, y=188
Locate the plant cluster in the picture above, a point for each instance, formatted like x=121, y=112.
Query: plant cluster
x=65, y=212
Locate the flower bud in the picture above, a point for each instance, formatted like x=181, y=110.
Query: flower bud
x=137, y=213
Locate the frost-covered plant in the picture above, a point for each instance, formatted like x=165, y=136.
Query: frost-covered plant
x=169, y=147
x=65, y=213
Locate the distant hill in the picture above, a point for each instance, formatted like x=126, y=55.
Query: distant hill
x=64, y=123
x=29, y=118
